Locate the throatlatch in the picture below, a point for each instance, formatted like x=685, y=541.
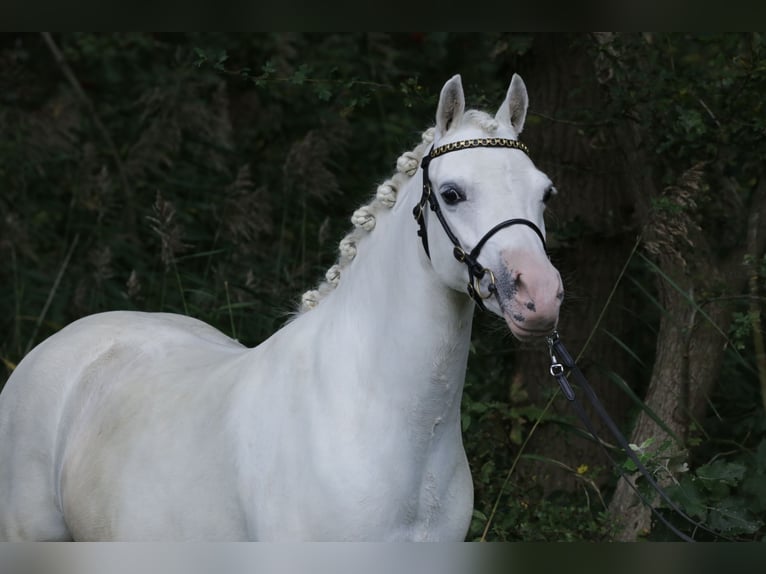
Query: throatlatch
x=476, y=271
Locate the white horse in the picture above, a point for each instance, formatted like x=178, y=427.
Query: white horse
x=345, y=424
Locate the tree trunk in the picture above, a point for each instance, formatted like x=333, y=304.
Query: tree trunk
x=690, y=349
x=596, y=204
x=694, y=281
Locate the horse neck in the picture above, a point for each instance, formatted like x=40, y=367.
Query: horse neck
x=401, y=326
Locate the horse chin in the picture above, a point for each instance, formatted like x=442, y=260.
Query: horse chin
x=524, y=333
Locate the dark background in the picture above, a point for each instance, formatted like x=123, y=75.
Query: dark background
x=213, y=175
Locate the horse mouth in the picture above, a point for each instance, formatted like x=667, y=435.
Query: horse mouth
x=525, y=332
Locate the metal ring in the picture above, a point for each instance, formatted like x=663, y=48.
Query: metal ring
x=477, y=286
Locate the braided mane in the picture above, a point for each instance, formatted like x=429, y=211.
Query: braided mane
x=364, y=218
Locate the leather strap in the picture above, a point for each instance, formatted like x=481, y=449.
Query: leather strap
x=562, y=360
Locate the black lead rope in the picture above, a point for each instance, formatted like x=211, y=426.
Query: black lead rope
x=561, y=360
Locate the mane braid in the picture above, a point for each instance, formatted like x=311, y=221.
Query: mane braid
x=482, y=120
x=364, y=220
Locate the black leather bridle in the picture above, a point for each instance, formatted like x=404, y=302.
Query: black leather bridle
x=476, y=271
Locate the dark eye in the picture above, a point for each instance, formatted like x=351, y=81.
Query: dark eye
x=451, y=195
x=550, y=192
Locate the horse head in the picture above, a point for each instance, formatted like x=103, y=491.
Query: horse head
x=486, y=200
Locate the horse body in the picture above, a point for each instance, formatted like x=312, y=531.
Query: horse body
x=113, y=423
x=345, y=424
x=158, y=411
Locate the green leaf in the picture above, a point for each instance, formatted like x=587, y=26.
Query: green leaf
x=220, y=59
x=300, y=75
x=692, y=122
x=268, y=68
x=688, y=496
x=487, y=470
x=479, y=407
x=729, y=473
x=323, y=93
x=754, y=486
x=733, y=516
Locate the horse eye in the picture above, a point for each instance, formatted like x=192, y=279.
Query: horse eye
x=550, y=192
x=451, y=196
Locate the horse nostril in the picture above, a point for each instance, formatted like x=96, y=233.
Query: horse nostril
x=531, y=306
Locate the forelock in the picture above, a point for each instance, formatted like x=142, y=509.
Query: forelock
x=481, y=120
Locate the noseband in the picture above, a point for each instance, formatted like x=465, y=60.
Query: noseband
x=476, y=270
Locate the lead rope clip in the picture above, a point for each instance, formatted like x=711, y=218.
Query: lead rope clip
x=557, y=370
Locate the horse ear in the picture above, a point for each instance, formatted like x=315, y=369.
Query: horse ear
x=451, y=105
x=513, y=110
